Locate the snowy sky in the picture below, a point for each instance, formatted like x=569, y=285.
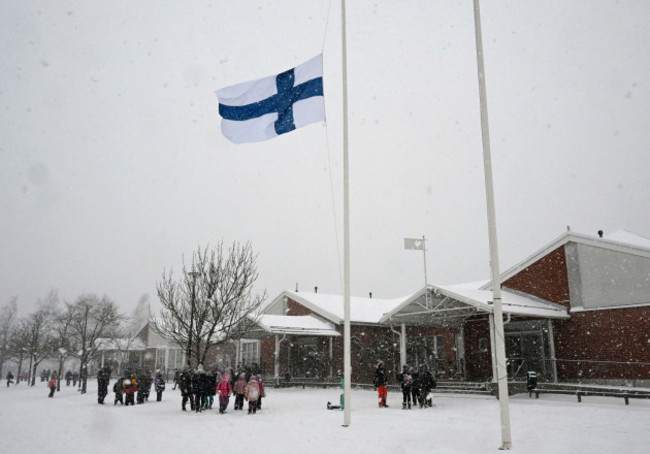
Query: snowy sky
x=113, y=167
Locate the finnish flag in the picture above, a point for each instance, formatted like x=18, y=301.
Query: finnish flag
x=265, y=108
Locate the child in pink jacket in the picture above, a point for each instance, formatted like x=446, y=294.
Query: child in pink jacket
x=252, y=394
x=240, y=389
x=224, y=390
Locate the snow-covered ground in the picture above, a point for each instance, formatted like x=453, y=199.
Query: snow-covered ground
x=295, y=420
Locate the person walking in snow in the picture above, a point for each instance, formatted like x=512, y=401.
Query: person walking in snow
x=159, y=386
x=129, y=387
x=186, y=384
x=240, y=390
x=380, y=382
x=117, y=389
x=199, y=388
x=224, y=390
x=210, y=388
x=10, y=378
x=426, y=384
x=262, y=393
x=102, y=384
x=68, y=377
x=52, y=385
x=406, y=382
x=415, y=389
x=177, y=378
x=252, y=394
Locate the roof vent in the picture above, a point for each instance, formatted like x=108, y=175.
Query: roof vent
x=600, y=233
x=316, y=289
x=370, y=294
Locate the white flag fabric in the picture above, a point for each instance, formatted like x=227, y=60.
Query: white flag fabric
x=414, y=243
x=265, y=108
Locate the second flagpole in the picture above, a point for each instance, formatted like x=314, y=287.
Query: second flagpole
x=347, y=363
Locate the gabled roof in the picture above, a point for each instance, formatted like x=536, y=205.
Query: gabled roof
x=619, y=241
x=460, y=301
x=304, y=325
x=120, y=344
x=330, y=307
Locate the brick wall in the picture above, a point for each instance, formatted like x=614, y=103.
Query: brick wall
x=547, y=279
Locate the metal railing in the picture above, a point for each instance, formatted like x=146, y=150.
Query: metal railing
x=625, y=373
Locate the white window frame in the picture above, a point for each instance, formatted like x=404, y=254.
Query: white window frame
x=249, y=352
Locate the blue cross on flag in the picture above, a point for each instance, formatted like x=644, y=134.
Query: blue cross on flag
x=265, y=108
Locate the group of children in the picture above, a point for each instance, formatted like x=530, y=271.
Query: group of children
x=416, y=385
x=200, y=387
x=135, y=384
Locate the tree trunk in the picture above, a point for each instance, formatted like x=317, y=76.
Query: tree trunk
x=58, y=382
x=20, y=370
x=32, y=373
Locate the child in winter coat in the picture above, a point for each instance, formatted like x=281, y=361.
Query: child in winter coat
x=252, y=394
x=262, y=393
x=52, y=385
x=117, y=389
x=224, y=390
x=159, y=386
x=406, y=381
x=129, y=387
x=240, y=390
x=380, y=384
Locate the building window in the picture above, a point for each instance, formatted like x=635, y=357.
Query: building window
x=483, y=345
x=250, y=352
x=160, y=358
x=175, y=358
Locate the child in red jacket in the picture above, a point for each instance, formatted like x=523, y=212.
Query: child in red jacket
x=52, y=384
x=224, y=390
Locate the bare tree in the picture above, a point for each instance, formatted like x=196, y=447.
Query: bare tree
x=38, y=324
x=91, y=319
x=62, y=343
x=8, y=316
x=212, y=302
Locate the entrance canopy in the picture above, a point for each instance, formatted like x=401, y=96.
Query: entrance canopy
x=301, y=325
x=449, y=305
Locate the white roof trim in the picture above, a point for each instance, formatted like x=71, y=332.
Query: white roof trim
x=306, y=325
x=512, y=302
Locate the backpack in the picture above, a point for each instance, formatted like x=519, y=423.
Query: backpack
x=253, y=393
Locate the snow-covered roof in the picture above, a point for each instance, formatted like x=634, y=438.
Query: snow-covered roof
x=121, y=343
x=512, y=302
x=460, y=301
x=625, y=237
x=362, y=310
x=450, y=304
x=307, y=325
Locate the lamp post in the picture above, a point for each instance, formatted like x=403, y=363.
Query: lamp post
x=194, y=275
x=62, y=354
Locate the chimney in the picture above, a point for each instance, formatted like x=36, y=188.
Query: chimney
x=370, y=294
x=600, y=233
x=316, y=289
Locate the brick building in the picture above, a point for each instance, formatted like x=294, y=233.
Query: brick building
x=576, y=310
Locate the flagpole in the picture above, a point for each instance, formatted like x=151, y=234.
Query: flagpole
x=499, y=344
x=347, y=363
x=426, y=281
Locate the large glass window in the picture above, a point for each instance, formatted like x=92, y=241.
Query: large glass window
x=250, y=352
x=160, y=358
